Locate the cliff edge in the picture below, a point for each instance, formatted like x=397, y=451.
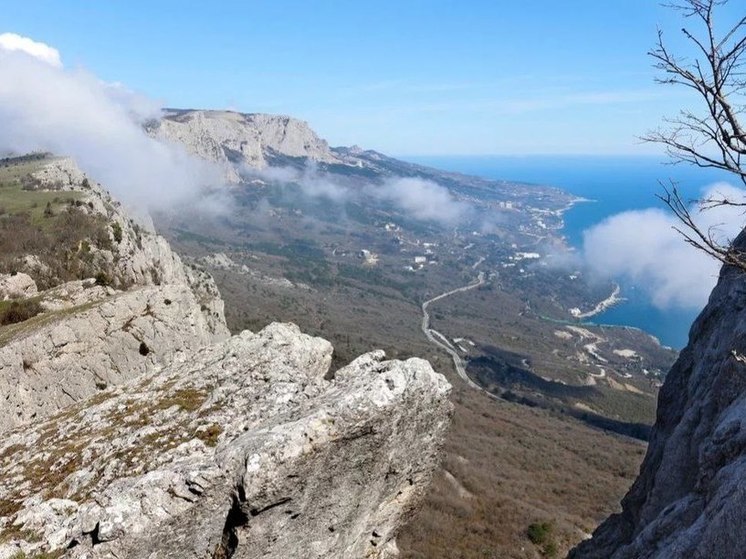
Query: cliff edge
x=688, y=499
x=233, y=139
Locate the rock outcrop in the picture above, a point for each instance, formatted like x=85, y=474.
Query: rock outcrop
x=241, y=450
x=233, y=139
x=16, y=286
x=134, y=427
x=92, y=336
x=67, y=355
x=137, y=256
x=688, y=499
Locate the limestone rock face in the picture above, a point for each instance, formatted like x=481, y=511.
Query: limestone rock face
x=66, y=355
x=688, y=501
x=132, y=426
x=240, y=449
x=16, y=286
x=235, y=139
x=94, y=336
x=138, y=256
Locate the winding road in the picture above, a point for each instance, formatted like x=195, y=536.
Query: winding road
x=441, y=341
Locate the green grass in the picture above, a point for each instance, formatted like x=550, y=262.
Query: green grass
x=15, y=200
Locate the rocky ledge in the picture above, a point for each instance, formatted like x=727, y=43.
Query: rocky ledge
x=242, y=449
x=91, y=338
x=133, y=426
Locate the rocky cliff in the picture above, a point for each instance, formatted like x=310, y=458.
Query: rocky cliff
x=143, y=307
x=134, y=426
x=233, y=139
x=688, y=499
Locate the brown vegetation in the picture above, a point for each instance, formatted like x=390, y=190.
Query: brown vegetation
x=518, y=466
x=62, y=245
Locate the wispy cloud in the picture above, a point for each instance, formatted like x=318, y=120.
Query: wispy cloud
x=41, y=51
x=44, y=107
x=424, y=200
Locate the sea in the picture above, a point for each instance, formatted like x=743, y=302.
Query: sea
x=614, y=184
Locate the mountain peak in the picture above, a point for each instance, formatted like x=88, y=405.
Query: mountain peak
x=230, y=137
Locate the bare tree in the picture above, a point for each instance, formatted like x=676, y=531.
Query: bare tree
x=714, y=137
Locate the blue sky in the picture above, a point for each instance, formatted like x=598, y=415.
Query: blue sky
x=407, y=77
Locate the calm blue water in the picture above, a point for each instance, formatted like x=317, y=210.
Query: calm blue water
x=616, y=184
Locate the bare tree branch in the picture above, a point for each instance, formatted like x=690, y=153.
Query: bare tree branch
x=717, y=138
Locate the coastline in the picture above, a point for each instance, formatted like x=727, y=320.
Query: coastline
x=560, y=213
x=572, y=203
x=607, y=303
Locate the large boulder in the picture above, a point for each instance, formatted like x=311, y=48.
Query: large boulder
x=16, y=286
x=241, y=449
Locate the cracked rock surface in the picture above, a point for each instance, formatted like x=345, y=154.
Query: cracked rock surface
x=240, y=450
x=64, y=356
x=133, y=426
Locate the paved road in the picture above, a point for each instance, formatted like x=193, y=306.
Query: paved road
x=442, y=342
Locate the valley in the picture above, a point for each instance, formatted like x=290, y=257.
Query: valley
x=479, y=286
x=551, y=413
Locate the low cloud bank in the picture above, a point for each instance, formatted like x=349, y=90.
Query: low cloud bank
x=45, y=107
x=425, y=200
x=420, y=199
x=643, y=247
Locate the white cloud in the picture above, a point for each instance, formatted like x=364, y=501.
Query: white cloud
x=140, y=107
x=311, y=182
x=425, y=200
x=643, y=247
x=16, y=43
x=46, y=108
x=421, y=199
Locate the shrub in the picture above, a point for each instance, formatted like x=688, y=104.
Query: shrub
x=209, y=435
x=550, y=550
x=103, y=279
x=539, y=532
x=18, y=311
x=116, y=229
